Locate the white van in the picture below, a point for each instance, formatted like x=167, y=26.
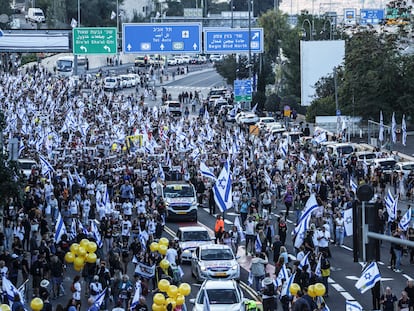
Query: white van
x=35, y=15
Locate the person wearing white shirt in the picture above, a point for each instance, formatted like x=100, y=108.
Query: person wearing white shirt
x=323, y=237
x=126, y=229
x=73, y=207
x=86, y=208
x=141, y=206
x=171, y=256
x=127, y=208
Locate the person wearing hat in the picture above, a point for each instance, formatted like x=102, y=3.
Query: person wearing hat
x=269, y=293
x=43, y=289
x=95, y=288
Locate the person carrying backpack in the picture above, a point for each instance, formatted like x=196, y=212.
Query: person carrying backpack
x=269, y=294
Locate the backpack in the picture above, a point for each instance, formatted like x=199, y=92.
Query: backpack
x=176, y=275
x=269, y=290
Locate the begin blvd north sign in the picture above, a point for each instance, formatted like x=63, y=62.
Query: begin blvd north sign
x=94, y=40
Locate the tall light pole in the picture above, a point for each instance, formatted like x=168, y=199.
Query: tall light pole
x=117, y=29
x=231, y=8
x=250, y=38
x=75, y=58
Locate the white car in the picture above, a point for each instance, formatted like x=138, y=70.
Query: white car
x=247, y=118
x=266, y=122
x=172, y=61
x=215, y=261
x=404, y=167
x=110, y=84
x=126, y=81
x=26, y=166
x=179, y=60
x=221, y=295
x=189, y=238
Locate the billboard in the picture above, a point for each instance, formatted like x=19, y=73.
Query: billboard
x=318, y=59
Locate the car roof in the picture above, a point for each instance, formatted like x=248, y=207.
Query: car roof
x=192, y=228
x=219, y=284
x=214, y=246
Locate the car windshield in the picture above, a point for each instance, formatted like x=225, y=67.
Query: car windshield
x=178, y=191
x=387, y=164
x=216, y=254
x=220, y=296
x=345, y=149
x=196, y=236
x=408, y=167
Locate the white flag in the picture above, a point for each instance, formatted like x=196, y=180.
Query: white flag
x=404, y=131
x=393, y=128
x=370, y=276
x=113, y=15
x=222, y=189
x=381, y=129
x=73, y=23
x=353, y=306
x=348, y=221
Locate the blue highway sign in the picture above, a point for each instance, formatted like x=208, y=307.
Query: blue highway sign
x=218, y=40
x=165, y=38
x=371, y=16
x=243, y=90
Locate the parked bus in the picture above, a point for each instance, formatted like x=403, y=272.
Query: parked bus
x=65, y=65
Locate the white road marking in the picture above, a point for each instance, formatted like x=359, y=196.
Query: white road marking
x=229, y=222
x=347, y=248
x=347, y=296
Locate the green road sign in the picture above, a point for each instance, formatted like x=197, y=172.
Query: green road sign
x=94, y=40
x=243, y=98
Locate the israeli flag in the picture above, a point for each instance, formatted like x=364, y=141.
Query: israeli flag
x=310, y=206
x=301, y=231
x=405, y=220
x=223, y=190
x=318, y=269
x=353, y=185
x=258, y=244
x=135, y=299
x=46, y=166
x=348, y=220
x=286, y=287
x=81, y=226
x=282, y=275
x=98, y=301
x=10, y=290
x=96, y=234
x=370, y=276
x=391, y=205
x=206, y=171
x=60, y=228
x=305, y=262
x=352, y=306
x=161, y=173
x=72, y=235
x=320, y=138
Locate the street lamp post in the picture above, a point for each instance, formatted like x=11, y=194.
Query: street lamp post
x=311, y=28
x=250, y=36
x=331, y=26
x=75, y=58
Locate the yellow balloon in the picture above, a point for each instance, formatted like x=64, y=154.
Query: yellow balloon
x=74, y=248
x=114, y=147
x=4, y=307
x=69, y=257
x=78, y=268
x=156, y=307
x=124, y=148
x=81, y=251
x=294, y=288
x=164, y=241
x=163, y=285
x=184, y=289
x=154, y=246
x=172, y=291
x=320, y=289
x=311, y=291
x=162, y=249
x=171, y=301
x=91, y=247
x=84, y=243
x=91, y=258
x=180, y=299
x=164, y=264
x=159, y=299
x=36, y=304
x=79, y=261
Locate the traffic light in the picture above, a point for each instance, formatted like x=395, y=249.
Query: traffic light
x=146, y=60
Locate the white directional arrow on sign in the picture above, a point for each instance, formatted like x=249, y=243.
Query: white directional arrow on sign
x=195, y=46
x=129, y=47
x=255, y=36
x=83, y=48
x=162, y=47
x=107, y=48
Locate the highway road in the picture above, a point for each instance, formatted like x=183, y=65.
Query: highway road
x=344, y=271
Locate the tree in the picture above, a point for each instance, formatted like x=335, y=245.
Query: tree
x=175, y=8
x=5, y=9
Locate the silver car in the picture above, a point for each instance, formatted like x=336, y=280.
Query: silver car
x=214, y=261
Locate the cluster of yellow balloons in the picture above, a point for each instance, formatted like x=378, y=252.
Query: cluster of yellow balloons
x=36, y=304
x=160, y=247
x=314, y=290
x=81, y=253
x=176, y=295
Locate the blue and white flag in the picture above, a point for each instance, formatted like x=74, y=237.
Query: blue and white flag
x=348, y=222
x=318, y=268
x=370, y=276
x=268, y=179
x=206, y=301
x=250, y=279
x=60, y=228
x=135, y=299
x=353, y=185
x=286, y=287
x=10, y=290
x=300, y=231
x=161, y=173
x=82, y=227
x=305, y=262
x=73, y=231
x=302, y=158
x=405, y=220
x=352, y=306
x=206, y=171
x=47, y=168
x=310, y=206
x=404, y=131
x=223, y=190
x=282, y=275
x=393, y=129
x=98, y=301
x=21, y=147
x=381, y=128
x=239, y=229
x=283, y=147
x=320, y=138
x=391, y=205
x=258, y=244
x=96, y=234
